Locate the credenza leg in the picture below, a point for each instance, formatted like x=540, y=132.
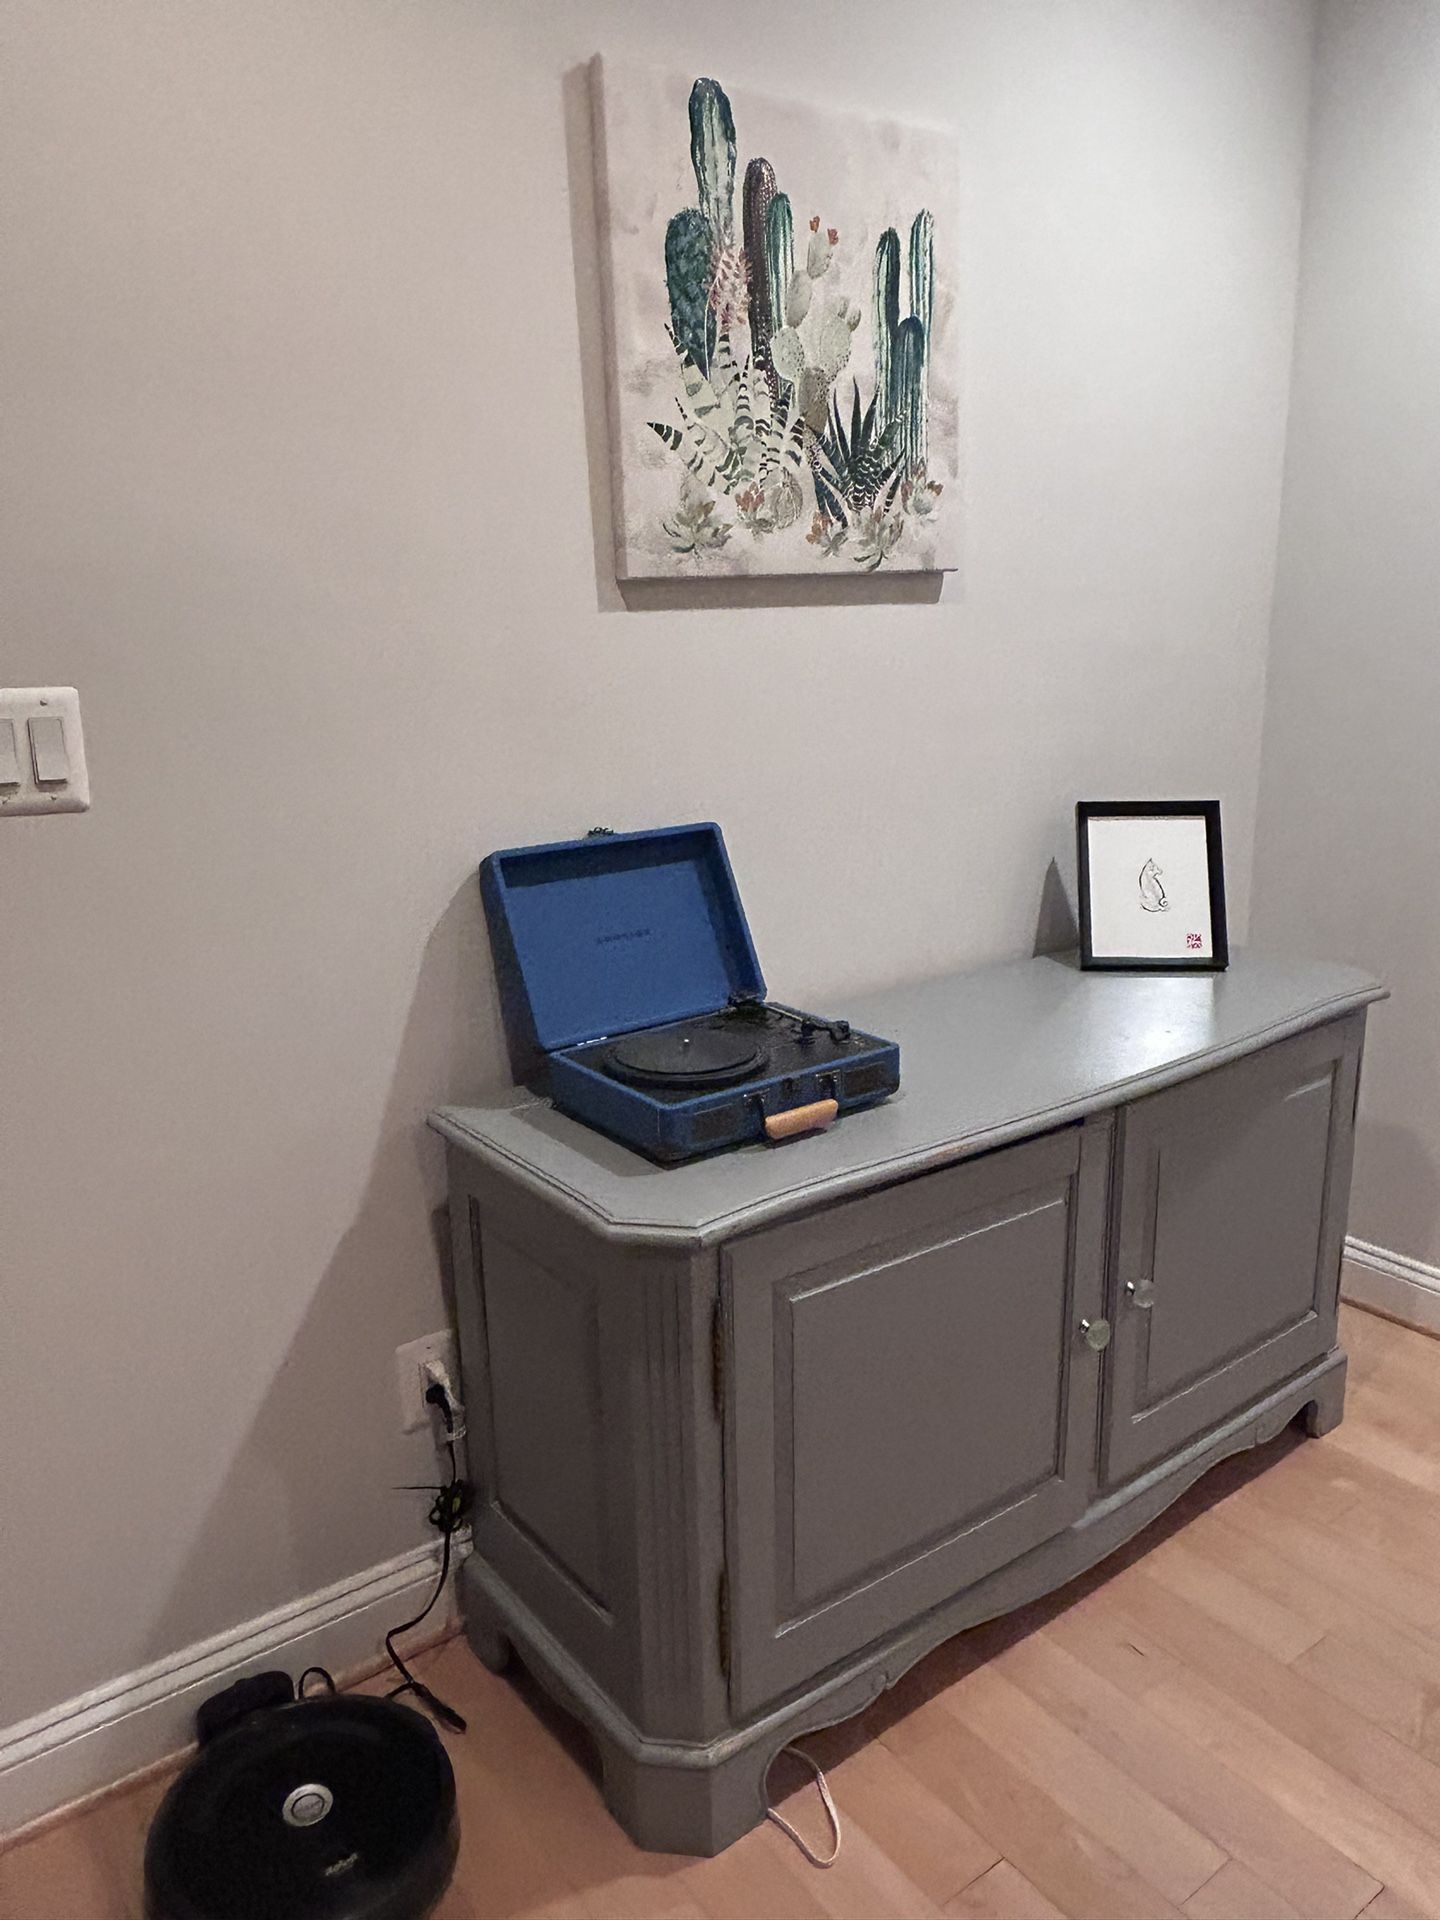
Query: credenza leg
x=685, y=1808
x=1327, y=1409
x=488, y=1640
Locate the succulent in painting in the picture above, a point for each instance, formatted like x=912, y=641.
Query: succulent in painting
x=731, y=435
x=854, y=467
x=827, y=534
x=693, y=527
x=879, y=531
x=920, y=497
x=765, y=508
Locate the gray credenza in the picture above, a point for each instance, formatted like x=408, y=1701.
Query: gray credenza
x=751, y=1435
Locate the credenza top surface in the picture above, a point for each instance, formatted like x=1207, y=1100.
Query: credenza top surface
x=985, y=1058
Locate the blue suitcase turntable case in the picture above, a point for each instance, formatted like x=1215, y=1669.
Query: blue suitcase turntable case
x=632, y=995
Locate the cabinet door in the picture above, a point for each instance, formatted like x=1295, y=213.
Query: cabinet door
x=910, y=1401
x=1233, y=1190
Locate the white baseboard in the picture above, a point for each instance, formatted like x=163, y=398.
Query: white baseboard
x=1393, y=1284
x=128, y=1724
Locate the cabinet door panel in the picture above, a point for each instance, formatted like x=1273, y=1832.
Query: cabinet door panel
x=1232, y=1196
x=912, y=1405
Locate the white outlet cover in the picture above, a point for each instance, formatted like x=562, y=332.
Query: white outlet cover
x=410, y=1364
x=22, y=793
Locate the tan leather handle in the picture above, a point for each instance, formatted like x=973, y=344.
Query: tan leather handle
x=780, y=1126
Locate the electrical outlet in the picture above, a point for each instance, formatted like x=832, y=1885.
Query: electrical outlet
x=410, y=1363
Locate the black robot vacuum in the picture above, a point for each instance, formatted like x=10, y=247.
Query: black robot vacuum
x=336, y=1807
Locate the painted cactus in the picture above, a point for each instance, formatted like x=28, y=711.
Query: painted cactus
x=779, y=257
x=811, y=365
x=922, y=270
x=922, y=309
x=699, y=241
x=902, y=345
x=687, y=277
x=886, y=317
x=907, y=393
x=757, y=198
x=712, y=154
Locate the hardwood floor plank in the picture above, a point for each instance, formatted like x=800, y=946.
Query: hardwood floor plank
x=1099, y=1632
x=1326, y=1727
x=1273, y=1626
x=1074, y=1870
x=864, y=1883
x=1256, y=1561
x=1163, y=1848
x=758, y=1876
x=1315, y=1483
x=1400, y=1703
x=1002, y=1894
x=1393, y=1906
x=1370, y=1832
x=1387, y=1673
x=1321, y=1554
x=1235, y=1894
x=1409, y=1457
x=1242, y=1820
x=542, y=1780
x=940, y=1851
x=59, y=1877
x=1403, y=1531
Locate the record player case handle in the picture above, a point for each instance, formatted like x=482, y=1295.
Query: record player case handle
x=808, y=1119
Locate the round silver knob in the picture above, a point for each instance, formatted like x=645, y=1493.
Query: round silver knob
x=1140, y=1293
x=308, y=1805
x=1096, y=1334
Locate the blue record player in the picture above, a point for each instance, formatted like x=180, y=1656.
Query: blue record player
x=632, y=995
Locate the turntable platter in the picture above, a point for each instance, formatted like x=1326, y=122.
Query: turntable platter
x=696, y=1057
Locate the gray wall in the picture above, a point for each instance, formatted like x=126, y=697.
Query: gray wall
x=1350, y=809
x=303, y=448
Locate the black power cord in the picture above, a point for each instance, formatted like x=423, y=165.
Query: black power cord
x=447, y=1514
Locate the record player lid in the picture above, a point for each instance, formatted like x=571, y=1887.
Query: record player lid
x=617, y=931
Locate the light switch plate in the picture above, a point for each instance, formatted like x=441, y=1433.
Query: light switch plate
x=20, y=792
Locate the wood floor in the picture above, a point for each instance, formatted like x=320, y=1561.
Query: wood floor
x=1238, y=1719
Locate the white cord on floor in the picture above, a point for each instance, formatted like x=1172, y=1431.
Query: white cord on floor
x=799, y=1839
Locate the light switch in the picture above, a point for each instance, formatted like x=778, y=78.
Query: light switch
x=47, y=750
x=42, y=752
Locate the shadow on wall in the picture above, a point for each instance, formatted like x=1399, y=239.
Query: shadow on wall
x=1056, y=928
x=670, y=595
x=1395, y=1202
x=307, y=1499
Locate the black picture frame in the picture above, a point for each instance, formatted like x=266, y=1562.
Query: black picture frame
x=1218, y=958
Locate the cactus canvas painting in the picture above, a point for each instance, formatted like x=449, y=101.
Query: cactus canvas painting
x=781, y=306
